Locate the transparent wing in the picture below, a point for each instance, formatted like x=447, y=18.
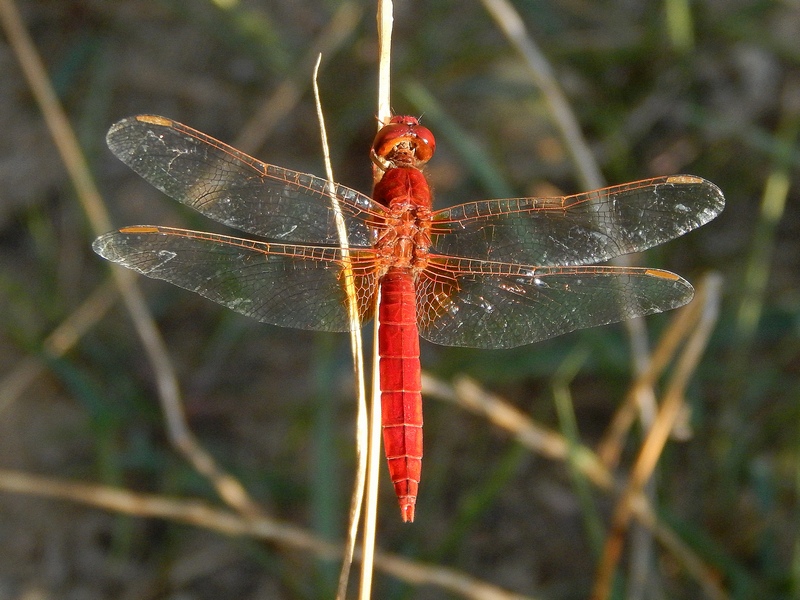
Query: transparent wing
x=235, y=189
x=480, y=304
x=577, y=230
x=282, y=284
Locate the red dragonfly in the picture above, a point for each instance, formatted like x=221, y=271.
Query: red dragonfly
x=487, y=274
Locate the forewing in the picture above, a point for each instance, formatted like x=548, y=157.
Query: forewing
x=287, y=285
x=235, y=189
x=492, y=305
x=577, y=230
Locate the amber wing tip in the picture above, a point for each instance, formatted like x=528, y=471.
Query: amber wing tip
x=662, y=274
x=685, y=179
x=134, y=229
x=154, y=120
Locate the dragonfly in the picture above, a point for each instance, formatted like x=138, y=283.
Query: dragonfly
x=487, y=274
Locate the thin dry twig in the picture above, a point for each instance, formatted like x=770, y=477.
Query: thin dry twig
x=385, y=21
x=538, y=438
x=568, y=126
x=589, y=172
x=201, y=514
x=467, y=394
x=706, y=316
x=385, y=18
x=610, y=447
x=509, y=21
x=357, y=349
x=641, y=400
x=373, y=465
x=67, y=144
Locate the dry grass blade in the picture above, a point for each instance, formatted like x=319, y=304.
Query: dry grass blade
x=69, y=149
x=385, y=17
x=467, y=394
x=198, y=513
x=706, y=310
x=509, y=21
x=385, y=21
x=447, y=579
x=709, y=580
x=589, y=173
x=610, y=447
x=357, y=349
x=506, y=16
x=373, y=468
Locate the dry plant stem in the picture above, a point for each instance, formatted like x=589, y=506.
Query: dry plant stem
x=228, y=487
x=538, y=438
x=657, y=436
x=373, y=468
x=610, y=447
x=384, y=24
x=356, y=347
x=385, y=21
x=709, y=580
x=567, y=124
x=200, y=514
x=59, y=342
x=467, y=394
x=75, y=163
x=290, y=90
x=512, y=26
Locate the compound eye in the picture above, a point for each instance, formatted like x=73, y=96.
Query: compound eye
x=404, y=129
x=428, y=143
x=388, y=137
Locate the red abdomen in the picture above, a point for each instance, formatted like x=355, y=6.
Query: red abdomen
x=401, y=388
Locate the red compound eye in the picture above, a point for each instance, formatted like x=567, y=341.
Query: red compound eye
x=405, y=129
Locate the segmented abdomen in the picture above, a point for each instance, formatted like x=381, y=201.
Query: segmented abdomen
x=401, y=388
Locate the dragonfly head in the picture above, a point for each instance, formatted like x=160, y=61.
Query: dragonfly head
x=403, y=142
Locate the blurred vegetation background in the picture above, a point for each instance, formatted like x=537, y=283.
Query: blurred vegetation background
x=710, y=88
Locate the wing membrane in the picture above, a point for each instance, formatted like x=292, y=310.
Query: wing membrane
x=581, y=229
x=287, y=285
x=495, y=305
x=235, y=189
